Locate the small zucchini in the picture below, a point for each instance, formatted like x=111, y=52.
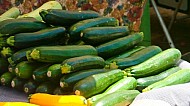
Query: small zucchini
x=60, y=17
x=97, y=83
x=30, y=87
x=155, y=64
x=98, y=35
x=179, y=77
x=46, y=87
x=118, y=98
x=18, y=83
x=57, y=54
x=6, y=79
x=82, y=63
x=54, y=72
x=119, y=45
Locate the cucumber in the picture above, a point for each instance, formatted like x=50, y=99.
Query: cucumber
x=54, y=72
x=30, y=87
x=68, y=81
x=97, y=83
x=38, y=38
x=179, y=77
x=98, y=35
x=155, y=64
x=127, y=83
x=7, y=52
x=6, y=78
x=18, y=83
x=13, y=12
x=146, y=81
x=137, y=57
x=119, y=45
x=25, y=69
x=118, y=98
x=59, y=17
x=3, y=65
x=76, y=28
x=82, y=63
x=47, y=5
x=46, y=87
x=20, y=25
x=57, y=54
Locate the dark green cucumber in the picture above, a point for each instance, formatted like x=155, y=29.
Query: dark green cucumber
x=6, y=78
x=127, y=83
x=76, y=28
x=3, y=42
x=20, y=25
x=119, y=45
x=118, y=98
x=46, y=87
x=25, y=69
x=30, y=87
x=38, y=38
x=57, y=54
x=155, y=64
x=69, y=80
x=137, y=57
x=82, y=63
x=18, y=83
x=7, y=52
x=40, y=73
x=99, y=35
x=54, y=72
x=146, y=81
x=180, y=77
x=60, y=17
x=97, y=83
x=3, y=65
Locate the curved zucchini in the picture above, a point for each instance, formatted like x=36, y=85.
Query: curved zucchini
x=97, y=83
x=119, y=45
x=30, y=87
x=38, y=38
x=59, y=17
x=6, y=79
x=82, y=63
x=155, y=64
x=179, y=77
x=137, y=57
x=99, y=35
x=57, y=54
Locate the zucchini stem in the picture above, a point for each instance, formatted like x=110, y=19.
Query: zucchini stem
x=10, y=40
x=35, y=54
x=65, y=69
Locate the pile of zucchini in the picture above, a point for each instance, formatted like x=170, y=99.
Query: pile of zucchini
x=83, y=53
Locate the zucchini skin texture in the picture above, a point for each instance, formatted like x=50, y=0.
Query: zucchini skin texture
x=156, y=64
x=82, y=63
x=18, y=83
x=38, y=38
x=57, y=54
x=46, y=87
x=118, y=98
x=137, y=57
x=99, y=35
x=59, y=17
x=6, y=78
x=119, y=45
x=179, y=77
x=13, y=26
x=97, y=83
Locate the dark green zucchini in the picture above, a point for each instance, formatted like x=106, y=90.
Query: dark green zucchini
x=119, y=45
x=97, y=83
x=137, y=57
x=54, y=72
x=155, y=64
x=146, y=81
x=3, y=65
x=82, y=63
x=18, y=83
x=45, y=36
x=60, y=91
x=46, y=87
x=6, y=78
x=30, y=87
x=20, y=25
x=57, y=54
x=98, y=35
x=60, y=17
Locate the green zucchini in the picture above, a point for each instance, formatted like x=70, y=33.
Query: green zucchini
x=13, y=12
x=82, y=63
x=25, y=69
x=127, y=83
x=76, y=28
x=57, y=54
x=38, y=38
x=155, y=64
x=13, y=26
x=137, y=57
x=146, y=81
x=98, y=35
x=118, y=98
x=119, y=45
x=7, y=52
x=46, y=87
x=60, y=17
x=69, y=80
x=6, y=78
x=54, y=72
x=180, y=77
x=18, y=83
x=60, y=91
x=30, y=87
x=97, y=83
x=3, y=65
